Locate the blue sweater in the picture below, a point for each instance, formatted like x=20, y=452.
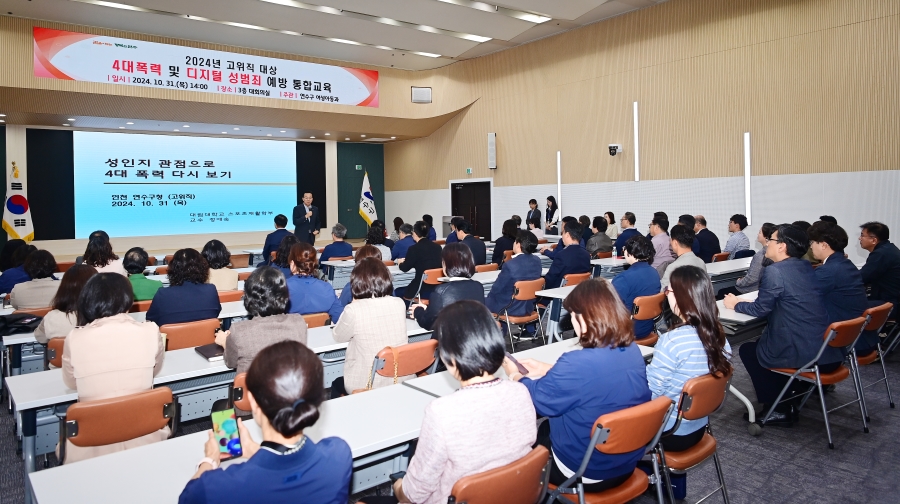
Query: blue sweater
x=336, y=249
x=623, y=238
x=188, y=302
x=311, y=295
x=319, y=472
x=640, y=279
x=12, y=277
x=580, y=387
x=401, y=247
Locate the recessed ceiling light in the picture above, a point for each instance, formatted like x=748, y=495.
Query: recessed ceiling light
x=346, y=139
x=66, y=124
x=268, y=134
x=364, y=136
x=237, y=129
x=283, y=131
x=129, y=123
x=175, y=130
x=312, y=137
x=393, y=138
x=428, y=54
x=2, y=121
x=327, y=134
x=71, y=120
x=121, y=127
x=224, y=132
x=2, y=115
x=185, y=126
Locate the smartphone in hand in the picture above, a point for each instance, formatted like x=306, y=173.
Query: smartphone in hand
x=522, y=369
x=225, y=428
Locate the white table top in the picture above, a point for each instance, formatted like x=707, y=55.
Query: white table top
x=340, y=264
x=731, y=266
x=609, y=262
x=727, y=315
x=321, y=340
x=158, y=472
x=165, y=278
x=253, y=251
x=557, y=293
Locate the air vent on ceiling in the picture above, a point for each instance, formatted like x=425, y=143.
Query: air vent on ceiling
x=421, y=94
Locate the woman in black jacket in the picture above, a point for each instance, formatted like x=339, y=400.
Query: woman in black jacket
x=459, y=266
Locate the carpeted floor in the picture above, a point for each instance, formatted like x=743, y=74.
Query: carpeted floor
x=781, y=465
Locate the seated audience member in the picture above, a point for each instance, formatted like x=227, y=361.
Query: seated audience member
x=429, y=221
x=375, y=238
x=586, y=232
x=571, y=258
x=373, y=321
x=524, y=265
x=505, y=242
x=533, y=211
x=750, y=281
x=363, y=252
x=285, y=389
x=17, y=274
x=599, y=240
x=309, y=294
x=282, y=259
x=659, y=231
x=534, y=227
x=804, y=226
x=709, y=242
x=657, y=215
x=611, y=229
x=407, y=240
x=273, y=239
x=479, y=250
x=738, y=240
x=551, y=253
x=840, y=281
x=423, y=255
x=459, y=267
x=694, y=347
x=99, y=254
x=640, y=279
x=378, y=223
x=135, y=262
x=338, y=248
x=690, y=222
x=517, y=219
x=110, y=354
x=40, y=290
x=627, y=221
x=452, y=238
x=395, y=234
x=449, y=448
x=608, y=374
x=828, y=218
x=60, y=321
x=266, y=299
x=682, y=239
x=188, y=298
x=790, y=299
x=6, y=254
x=881, y=272
x=219, y=258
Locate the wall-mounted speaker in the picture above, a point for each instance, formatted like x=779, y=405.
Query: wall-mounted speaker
x=421, y=94
x=492, y=151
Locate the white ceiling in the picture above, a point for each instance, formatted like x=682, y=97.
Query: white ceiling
x=452, y=30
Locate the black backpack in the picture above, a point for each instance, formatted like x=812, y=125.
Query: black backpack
x=18, y=323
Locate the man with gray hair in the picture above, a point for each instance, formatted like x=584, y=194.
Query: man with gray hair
x=339, y=248
x=709, y=242
x=403, y=244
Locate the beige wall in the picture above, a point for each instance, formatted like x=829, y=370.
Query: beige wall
x=814, y=81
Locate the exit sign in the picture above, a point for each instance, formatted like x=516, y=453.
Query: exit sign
x=359, y=167
x=468, y=171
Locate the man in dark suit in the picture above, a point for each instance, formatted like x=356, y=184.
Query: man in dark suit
x=707, y=240
x=627, y=221
x=306, y=220
x=524, y=265
x=790, y=299
x=403, y=245
x=424, y=255
x=534, y=212
x=573, y=258
x=690, y=222
x=551, y=253
x=882, y=269
x=479, y=250
x=273, y=239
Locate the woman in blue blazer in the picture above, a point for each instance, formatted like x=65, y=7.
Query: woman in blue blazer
x=524, y=265
x=640, y=279
x=308, y=293
x=188, y=298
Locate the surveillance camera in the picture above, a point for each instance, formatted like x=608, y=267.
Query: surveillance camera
x=614, y=149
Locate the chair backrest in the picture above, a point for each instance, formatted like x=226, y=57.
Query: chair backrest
x=702, y=395
x=519, y=482
x=542, y=241
x=845, y=332
x=741, y=254
x=575, y=278
x=40, y=312
x=430, y=276
x=244, y=275
x=342, y=258
x=151, y=261
x=525, y=290
x=631, y=428
x=55, y=347
x=141, y=306
x=411, y=358
x=648, y=307
x=878, y=316
x=507, y=255
x=388, y=263
x=162, y=270
x=169, y=258
x=315, y=319
x=481, y=268
x=240, y=261
x=603, y=255
x=190, y=334
x=64, y=266
x=239, y=392
x=440, y=242
x=118, y=419
x=722, y=256
x=230, y=295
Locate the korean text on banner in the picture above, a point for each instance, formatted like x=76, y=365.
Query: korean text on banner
x=367, y=202
x=17, y=213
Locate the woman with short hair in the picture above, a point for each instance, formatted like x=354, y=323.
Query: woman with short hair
x=395, y=234
x=188, y=298
x=16, y=274
x=285, y=390
x=219, y=259
x=606, y=375
x=40, y=290
x=640, y=279
x=374, y=320
x=375, y=238
x=60, y=321
x=110, y=354
x=346, y=296
x=282, y=259
x=6, y=254
x=99, y=254
x=308, y=293
x=505, y=242
x=459, y=266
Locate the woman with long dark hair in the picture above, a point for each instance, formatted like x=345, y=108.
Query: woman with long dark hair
x=99, y=254
x=282, y=255
x=551, y=216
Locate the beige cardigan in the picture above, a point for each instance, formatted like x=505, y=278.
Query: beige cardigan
x=369, y=325
x=56, y=324
x=34, y=293
x=112, y=357
x=223, y=279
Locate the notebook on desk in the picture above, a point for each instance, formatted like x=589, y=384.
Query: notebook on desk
x=211, y=352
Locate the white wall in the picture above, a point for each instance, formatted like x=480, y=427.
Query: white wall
x=851, y=197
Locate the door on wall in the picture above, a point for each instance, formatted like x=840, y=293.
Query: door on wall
x=472, y=202
x=354, y=160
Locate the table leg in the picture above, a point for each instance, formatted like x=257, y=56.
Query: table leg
x=15, y=360
x=553, y=321
x=29, y=433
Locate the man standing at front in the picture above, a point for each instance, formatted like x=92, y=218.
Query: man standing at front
x=306, y=220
